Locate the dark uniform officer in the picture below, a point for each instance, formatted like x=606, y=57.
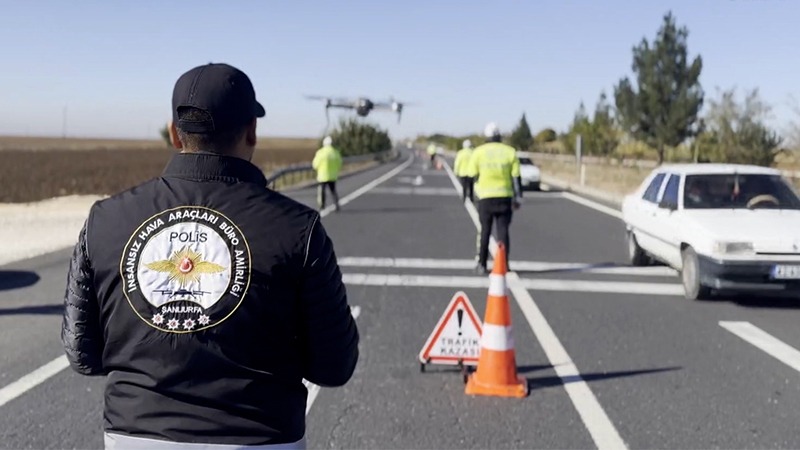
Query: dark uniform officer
x=499, y=190
x=204, y=297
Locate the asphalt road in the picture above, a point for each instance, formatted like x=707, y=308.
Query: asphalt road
x=659, y=371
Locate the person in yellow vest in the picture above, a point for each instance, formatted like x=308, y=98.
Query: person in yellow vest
x=499, y=189
x=462, y=171
x=327, y=162
x=432, y=153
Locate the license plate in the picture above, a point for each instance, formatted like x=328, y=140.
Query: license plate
x=782, y=272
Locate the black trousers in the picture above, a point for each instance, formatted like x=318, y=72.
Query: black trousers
x=330, y=185
x=467, y=184
x=494, y=211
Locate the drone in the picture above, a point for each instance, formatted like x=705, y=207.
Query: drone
x=362, y=105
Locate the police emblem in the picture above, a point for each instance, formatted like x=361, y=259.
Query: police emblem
x=186, y=269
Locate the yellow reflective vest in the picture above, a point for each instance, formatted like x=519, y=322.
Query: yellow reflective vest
x=496, y=165
x=327, y=162
x=431, y=149
x=461, y=165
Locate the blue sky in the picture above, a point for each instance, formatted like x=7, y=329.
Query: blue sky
x=113, y=64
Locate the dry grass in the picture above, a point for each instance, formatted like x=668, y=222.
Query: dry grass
x=617, y=180
x=24, y=143
x=31, y=171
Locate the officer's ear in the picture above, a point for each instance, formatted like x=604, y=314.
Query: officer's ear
x=173, y=135
x=250, y=136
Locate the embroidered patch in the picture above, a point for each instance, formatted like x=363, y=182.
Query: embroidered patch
x=186, y=269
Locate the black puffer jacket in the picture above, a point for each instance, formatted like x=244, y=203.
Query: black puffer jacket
x=206, y=298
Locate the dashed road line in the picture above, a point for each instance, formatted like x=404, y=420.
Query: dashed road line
x=313, y=389
x=773, y=346
x=523, y=266
x=606, y=287
x=414, y=191
x=33, y=379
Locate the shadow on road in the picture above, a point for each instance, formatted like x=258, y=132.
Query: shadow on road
x=32, y=310
x=544, y=382
x=15, y=279
x=774, y=301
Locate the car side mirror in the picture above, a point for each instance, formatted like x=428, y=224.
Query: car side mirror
x=667, y=204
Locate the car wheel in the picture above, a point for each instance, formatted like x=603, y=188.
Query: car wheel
x=535, y=186
x=636, y=255
x=691, y=276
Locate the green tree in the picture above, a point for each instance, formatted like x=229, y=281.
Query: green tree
x=521, y=137
x=663, y=110
x=355, y=137
x=599, y=134
x=164, y=133
x=545, y=136
x=604, y=135
x=737, y=132
x=581, y=125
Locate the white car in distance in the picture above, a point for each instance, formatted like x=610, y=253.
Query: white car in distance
x=724, y=227
x=530, y=174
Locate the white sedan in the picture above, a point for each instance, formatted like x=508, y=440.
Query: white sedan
x=530, y=174
x=721, y=226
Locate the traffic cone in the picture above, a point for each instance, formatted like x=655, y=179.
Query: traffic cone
x=496, y=374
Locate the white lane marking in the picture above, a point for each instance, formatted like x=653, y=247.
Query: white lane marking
x=380, y=279
x=600, y=427
x=366, y=188
x=414, y=191
x=313, y=389
x=592, y=204
x=607, y=287
x=525, y=266
x=31, y=380
x=771, y=345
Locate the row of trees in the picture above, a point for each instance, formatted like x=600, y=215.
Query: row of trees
x=657, y=114
x=660, y=110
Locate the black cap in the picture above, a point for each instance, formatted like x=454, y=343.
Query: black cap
x=221, y=90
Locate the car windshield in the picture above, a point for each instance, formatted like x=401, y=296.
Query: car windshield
x=526, y=161
x=727, y=191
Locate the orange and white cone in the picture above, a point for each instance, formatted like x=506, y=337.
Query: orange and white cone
x=496, y=374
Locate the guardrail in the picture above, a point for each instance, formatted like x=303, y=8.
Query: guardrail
x=296, y=173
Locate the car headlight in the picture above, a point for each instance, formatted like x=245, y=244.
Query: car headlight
x=733, y=247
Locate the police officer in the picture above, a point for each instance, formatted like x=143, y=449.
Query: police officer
x=499, y=190
x=462, y=170
x=203, y=296
x=327, y=162
x=432, y=154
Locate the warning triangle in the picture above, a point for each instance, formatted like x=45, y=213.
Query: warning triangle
x=457, y=336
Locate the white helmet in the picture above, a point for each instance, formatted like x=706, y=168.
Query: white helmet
x=491, y=130
x=467, y=143
x=327, y=141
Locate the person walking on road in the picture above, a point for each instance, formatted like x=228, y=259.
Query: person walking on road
x=204, y=297
x=499, y=189
x=462, y=171
x=432, y=150
x=327, y=162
